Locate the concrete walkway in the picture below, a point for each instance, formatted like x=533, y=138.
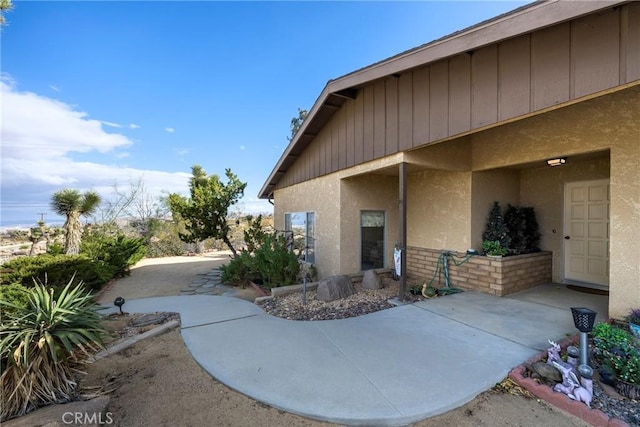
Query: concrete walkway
x=389, y=368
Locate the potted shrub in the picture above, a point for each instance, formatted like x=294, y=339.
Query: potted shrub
x=493, y=248
x=634, y=321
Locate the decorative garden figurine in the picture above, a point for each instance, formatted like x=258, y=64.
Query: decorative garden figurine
x=571, y=386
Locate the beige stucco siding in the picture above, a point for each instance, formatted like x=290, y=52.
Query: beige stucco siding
x=367, y=193
x=321, y=196
x=543, y=188
x=439, y=210
x=496, y=185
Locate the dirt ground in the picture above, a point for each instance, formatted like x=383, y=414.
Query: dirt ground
x=157, y=382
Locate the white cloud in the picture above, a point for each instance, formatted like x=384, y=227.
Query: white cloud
x=113, y=125
x=170, y=130
x=242, y=147
x=133, y=126
x=39, y=135
x=122, y=155
x=55, y=88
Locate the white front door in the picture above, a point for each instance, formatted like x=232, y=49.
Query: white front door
x=586, y=232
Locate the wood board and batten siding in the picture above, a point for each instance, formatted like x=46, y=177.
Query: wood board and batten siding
x=461, y=94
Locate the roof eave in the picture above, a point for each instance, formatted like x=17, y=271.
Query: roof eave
x=520, y=21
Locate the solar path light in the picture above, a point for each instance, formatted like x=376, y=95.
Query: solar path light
x=583, y=319
x=119, y=302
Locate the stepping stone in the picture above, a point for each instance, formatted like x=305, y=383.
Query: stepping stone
x=195, y=285
x=203, y=290
x=209, y=285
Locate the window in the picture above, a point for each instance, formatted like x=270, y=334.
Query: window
x=301, y=227
x=372, y=240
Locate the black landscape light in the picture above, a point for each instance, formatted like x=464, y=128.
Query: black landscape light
x=119, y=302
x=583, y=319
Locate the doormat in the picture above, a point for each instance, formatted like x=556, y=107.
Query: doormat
x=588, y=290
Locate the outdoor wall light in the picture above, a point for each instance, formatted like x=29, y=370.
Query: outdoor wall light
x=119, y=302
x=583, y=319
x=559, y=161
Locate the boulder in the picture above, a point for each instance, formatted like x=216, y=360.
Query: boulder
x=371, y=280
x=334, y=288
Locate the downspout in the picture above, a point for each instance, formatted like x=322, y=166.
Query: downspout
x=402, y=211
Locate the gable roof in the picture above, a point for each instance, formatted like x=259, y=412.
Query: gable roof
x=523, y=20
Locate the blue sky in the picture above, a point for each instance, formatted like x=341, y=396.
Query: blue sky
x=102, y=93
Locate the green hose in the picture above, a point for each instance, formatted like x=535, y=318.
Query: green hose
x=428, y=289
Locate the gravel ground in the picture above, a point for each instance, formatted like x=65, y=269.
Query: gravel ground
x=366, y=301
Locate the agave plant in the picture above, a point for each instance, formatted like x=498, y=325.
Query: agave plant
x=42, y=346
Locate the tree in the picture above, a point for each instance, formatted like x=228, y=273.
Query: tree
x=72, y=205
x=296, y=122
x=5, y=6
x=495, y=228
x=205, y=212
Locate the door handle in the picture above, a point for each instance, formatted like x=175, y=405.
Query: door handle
x=567, y=237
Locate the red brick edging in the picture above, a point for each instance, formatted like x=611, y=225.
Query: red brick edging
x=594, y=417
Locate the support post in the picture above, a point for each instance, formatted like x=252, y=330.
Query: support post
x=402, y=211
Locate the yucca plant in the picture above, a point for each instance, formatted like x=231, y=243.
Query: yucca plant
x=43, y=345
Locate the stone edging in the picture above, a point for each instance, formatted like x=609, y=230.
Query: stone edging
x=594, y=417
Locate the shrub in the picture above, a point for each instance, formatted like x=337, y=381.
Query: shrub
x=616, y=350
x=14, y=294
x=164, y=240
x=493, y=248
x=495, y=228
x=240, y=270
x=275, y=263
x=56, y=271
x=267, y=259
x=517, y=230
x=41, y=346
x=117, y=252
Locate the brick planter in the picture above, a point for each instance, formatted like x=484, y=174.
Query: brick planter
x=495, y=276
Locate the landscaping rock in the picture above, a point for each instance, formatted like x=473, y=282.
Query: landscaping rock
x=371, y=280
x=334, y=288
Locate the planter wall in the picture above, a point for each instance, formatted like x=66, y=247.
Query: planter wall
x=495, y=276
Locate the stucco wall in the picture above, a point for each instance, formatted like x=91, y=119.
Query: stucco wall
x=321, y=196
x=610, y=122
x=501, y=185
x=373, y=193
x=543, y=188
x=439, y=210
x=447, y=209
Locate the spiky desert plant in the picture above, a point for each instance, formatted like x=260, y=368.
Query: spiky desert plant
x=42, y=346
x=72, y=205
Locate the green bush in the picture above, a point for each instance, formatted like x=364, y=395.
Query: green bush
x=56, y=271
x=240, y=270
x=268, y=260
x=41, y=345
x=616, y=349
x=117, y=252
x=516, y=230
x=275, y=263
x=14, y=294
x=163, y=240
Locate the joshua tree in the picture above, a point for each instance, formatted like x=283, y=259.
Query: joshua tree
x=72, y=204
